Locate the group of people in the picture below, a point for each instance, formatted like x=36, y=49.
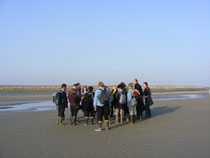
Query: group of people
x=123, y=103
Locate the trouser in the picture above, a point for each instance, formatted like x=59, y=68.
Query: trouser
x=148, y=111
x=126, y=110
x=140, y=108
x=74, y=111
x=112, y=110
x=89, y=112
x=102, y=111
x=61, y=110
x=132, y=109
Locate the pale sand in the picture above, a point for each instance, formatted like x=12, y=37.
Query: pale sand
x=178, y=129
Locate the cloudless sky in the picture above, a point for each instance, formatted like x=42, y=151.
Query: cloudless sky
x=52, y=42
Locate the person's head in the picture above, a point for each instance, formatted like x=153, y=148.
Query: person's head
x=63, y=87
x=78, y=85
x=100, y=85
x=145, y=85
x=74, y=86
x=130, y=85
x=119, y=87
x=135, y=81
x=73, y=92
x=90, y=88
x=114, y=87
x=85, y=88
x=123, y=85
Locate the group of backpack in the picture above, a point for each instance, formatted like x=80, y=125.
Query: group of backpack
x=122, y=103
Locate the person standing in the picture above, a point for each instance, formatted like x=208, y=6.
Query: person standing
x=148, y=99
x=87, y=103
x=132, y=97
x=62, y=103
x=122, y=102
x=113, y=100
x=126, y=109
x=101, y=106
x=140, y=102
x=74, y=106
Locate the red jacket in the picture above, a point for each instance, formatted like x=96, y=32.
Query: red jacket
x=74, y=100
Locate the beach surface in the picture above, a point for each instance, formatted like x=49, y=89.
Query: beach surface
x=178, y=129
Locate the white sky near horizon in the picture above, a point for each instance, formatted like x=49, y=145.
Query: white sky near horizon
x=54, y=42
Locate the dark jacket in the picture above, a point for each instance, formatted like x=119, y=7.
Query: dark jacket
x=138, y=87
x=74, y=100
x=139, y=98
x=147, y=92
x=114, y=99
x=63, y=100
x=87, y=101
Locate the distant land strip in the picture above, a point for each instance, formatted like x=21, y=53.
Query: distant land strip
x=53, y=88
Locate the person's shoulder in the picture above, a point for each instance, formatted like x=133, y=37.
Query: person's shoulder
x=97, y=90
x=62, y=92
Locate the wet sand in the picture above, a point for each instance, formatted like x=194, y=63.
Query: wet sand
x=24, y=97
x=178, y=129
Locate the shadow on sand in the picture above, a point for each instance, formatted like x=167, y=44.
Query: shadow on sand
x=163, y=110
x=157, y=111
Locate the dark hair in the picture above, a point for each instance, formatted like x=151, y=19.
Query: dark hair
x=63, y=86
x=123, y=85
x=146, y=84
x=120, y=86
x=90, y=88
x=77, y=84
x=136, y=80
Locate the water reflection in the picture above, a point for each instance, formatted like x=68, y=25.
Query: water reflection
x=27, y=106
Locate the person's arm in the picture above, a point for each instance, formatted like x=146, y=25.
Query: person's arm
x=96, y=95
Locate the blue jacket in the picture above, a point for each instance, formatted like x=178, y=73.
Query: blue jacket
x=96, y=101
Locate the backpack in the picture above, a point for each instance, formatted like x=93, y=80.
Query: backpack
x=122, y=99
x=87, y=100
x=104, y=96
x=56, y=97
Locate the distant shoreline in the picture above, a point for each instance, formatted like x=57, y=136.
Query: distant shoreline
x=53, y=88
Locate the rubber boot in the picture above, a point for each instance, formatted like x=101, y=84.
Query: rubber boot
x=71, y=120
x=99, y=129
x=57, y=122
x=141, y=117
x=91, y=121
x=121, y=118
x=127, y=118
x=131, y=118
x=117, y=118
x=107, y=125
x=148, y=114
x=64, y=117
x=75, y=121
x=86, y=121
x=134, y=119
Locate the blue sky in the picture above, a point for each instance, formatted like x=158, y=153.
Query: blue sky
x=51, y=42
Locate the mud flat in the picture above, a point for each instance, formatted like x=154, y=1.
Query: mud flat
x=178, y=128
